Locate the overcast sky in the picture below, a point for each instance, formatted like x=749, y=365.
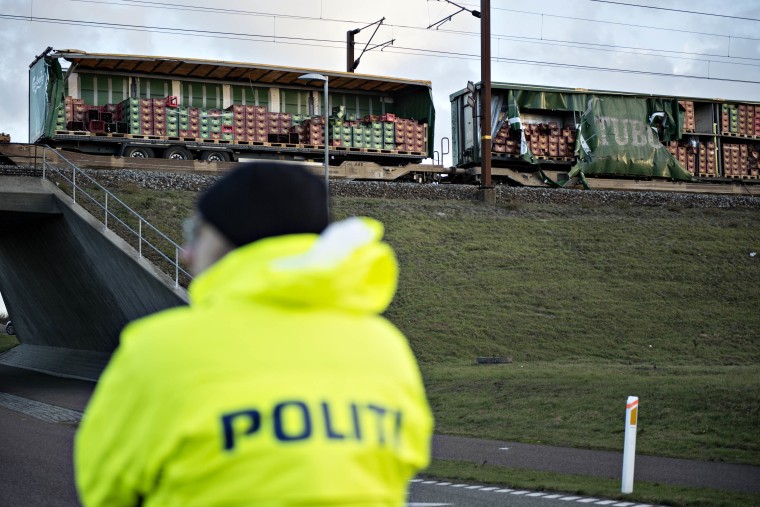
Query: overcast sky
x=541, y=43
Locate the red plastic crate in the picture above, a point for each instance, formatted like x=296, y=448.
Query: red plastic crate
x=96, y=126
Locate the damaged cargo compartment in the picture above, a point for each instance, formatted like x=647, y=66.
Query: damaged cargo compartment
x=574, y=133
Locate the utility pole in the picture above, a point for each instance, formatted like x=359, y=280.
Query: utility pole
x=352, y=63
x=350, y=66
x=487, y=191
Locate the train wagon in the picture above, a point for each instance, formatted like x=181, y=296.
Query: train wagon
x=182, y=109
x=561, y=134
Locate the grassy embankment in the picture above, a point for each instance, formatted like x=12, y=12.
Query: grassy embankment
x=6, y=342
x=592, y=303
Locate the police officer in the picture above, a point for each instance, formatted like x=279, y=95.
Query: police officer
x=280, y=384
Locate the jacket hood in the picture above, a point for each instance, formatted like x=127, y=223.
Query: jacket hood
x=346, y=267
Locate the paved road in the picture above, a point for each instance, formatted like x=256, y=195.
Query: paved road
x=728, y=476
x=35, y=452
x=425, y=493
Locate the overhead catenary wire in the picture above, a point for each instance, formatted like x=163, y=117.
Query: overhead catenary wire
x=180, y=7
x=167, y=30
x=535, y=40
x=682, y=11
x=337, y=44
x=632, y=50
x=471, y=56
x=220, y=10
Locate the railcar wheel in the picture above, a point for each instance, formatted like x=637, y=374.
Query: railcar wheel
x=215, y=156
x=138, y=152
x=177, y=153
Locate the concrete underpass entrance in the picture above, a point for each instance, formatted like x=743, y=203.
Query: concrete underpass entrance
x=69, y=284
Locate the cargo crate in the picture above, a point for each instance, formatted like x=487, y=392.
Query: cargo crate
x=96, y=126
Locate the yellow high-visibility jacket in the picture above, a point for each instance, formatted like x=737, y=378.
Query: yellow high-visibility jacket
x=279, y=385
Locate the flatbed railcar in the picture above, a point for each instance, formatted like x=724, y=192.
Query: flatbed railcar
x=565, y=137
x=188, y=109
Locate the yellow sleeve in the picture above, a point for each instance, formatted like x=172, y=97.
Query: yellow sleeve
x=117, y=447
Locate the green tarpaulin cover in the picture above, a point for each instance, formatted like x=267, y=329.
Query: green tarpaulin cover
x=45, y=95
x=619, y=136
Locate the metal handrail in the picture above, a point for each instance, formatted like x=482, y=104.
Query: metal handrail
x=108, y=195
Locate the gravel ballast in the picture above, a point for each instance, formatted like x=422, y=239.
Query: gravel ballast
x=396, y=190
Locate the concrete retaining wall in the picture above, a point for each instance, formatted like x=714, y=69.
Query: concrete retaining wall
x=69, y=284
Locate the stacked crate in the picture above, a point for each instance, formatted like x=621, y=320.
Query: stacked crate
x=340, y=133
x=389, y=131
x=163, y=117
x=255, y=123
x=549, y=140
x=278, y=127
x=685, y=153
x=110, y=116
x=357, y=135
x=172, y=120
x=191, y=127
x=188, y=122
x=375, y=132
x=313, y=132
x=159, y=117
x=746, y=124
x=743, y=160
x=95, y=119
x=374, y=135
x=706, y=157
x=74, y=110
x=732, y=161
x=238, y=122
x=688, y=124
x=297, y=128
x=507, y=141
x=347, y=136
x=754, y=161
x=228, y=125
x=60, y=117
x=399, y=135
x=211, y=124
x=567, y=141
x=410, y=135
x=146, y=117
x=729, y=119
x=128, y=112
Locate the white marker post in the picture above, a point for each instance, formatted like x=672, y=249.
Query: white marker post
x=629, y=448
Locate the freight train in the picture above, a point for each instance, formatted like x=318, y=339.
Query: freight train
x=149, y=107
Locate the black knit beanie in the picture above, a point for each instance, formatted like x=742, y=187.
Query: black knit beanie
x=262, y=199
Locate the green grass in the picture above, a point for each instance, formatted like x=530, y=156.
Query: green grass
x=643, y=492
x=702, y=412
x=591, y=302
x=7, y=342
x=552, y=283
